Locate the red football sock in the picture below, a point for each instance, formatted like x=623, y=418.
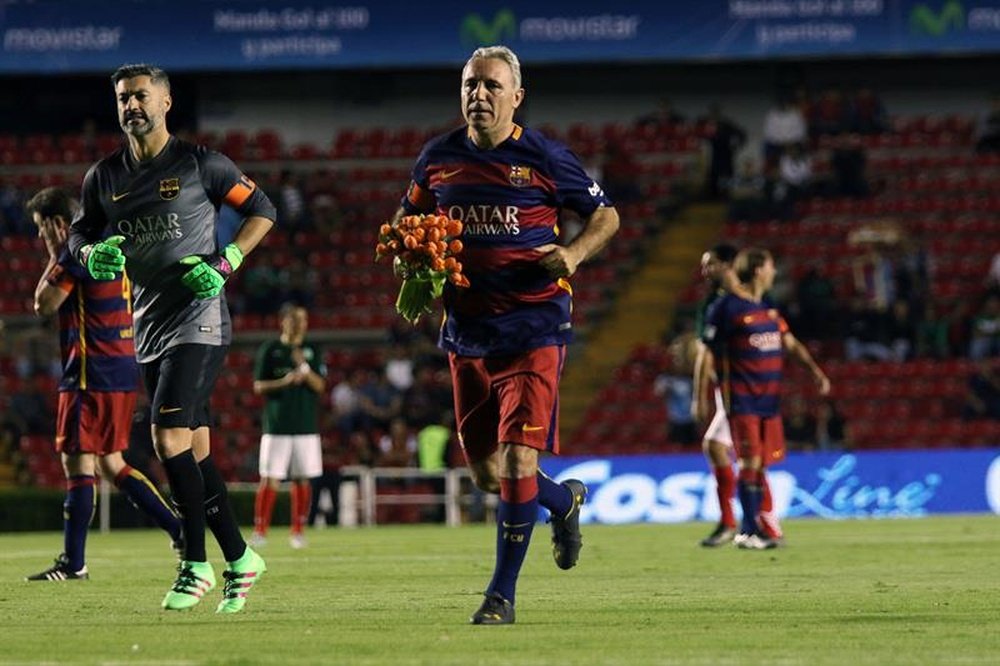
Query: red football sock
x=767, y=518
x=263, y=507
x=725, y=482
x=301, y=499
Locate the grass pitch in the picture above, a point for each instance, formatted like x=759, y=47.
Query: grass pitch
x=870, y=592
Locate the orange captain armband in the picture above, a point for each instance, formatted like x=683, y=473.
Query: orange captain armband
x=240, y=192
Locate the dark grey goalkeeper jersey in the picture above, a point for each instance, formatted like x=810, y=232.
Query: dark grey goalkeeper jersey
x=167, y=209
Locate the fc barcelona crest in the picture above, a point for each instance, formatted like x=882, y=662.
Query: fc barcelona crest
x=170, y=188
x=520, y=176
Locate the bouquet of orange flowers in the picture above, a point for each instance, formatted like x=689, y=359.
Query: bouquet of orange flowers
x=424, y=250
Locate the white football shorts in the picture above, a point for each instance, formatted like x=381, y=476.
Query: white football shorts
x=291, y=456
x=718, y=429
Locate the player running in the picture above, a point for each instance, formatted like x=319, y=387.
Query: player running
x=506, y=334
x=160, y=197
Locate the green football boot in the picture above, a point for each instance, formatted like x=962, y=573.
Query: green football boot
x=240, y=576
x=194, y=580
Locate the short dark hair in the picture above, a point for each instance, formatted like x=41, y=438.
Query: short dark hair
x=288, y=308
x=724, y=252
x=50, y=202
x=748, y=261
x=155, y=74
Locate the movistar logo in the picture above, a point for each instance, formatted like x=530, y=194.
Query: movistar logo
x=477, y=32
x=925, y=21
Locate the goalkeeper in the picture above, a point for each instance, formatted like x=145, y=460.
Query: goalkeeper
x=158, y=198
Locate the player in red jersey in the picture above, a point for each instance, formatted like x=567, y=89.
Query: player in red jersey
x=748, y=337
x=97, y=391
x=506, y=334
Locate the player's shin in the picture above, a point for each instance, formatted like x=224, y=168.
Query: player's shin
x=219, y=513
x=516, y=518
x=188, y=494
x=750, y=496
x=77, y=512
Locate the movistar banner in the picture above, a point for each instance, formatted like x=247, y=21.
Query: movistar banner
x=892, y=484
x=98, y=35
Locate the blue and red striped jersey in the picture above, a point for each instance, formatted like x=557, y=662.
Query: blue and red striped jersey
x=508, y=198
x=95, y=330
x=746, y=339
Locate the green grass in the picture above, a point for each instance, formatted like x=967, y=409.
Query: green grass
x=857, y=593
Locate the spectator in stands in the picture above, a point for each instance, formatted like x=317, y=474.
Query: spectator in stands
x=380, y=402
x=665, y=116
x=848, y=161
x=676, y=387
x=749, y=193
x=830, y=116
x=982, y=401
x=399, y=368
x=725, y=139
x=291, y=202
x=985, y=342
x=795, y=170
x=902, y=331
x=831, y=427
x=988, y=129
x=868, y=114
x=13, y=221
x=360, y=449
x=932, y=331
x=784, y=126
x=866, y=333
x=817, y=304
x=397, y=447
x=345, y=401
x=426, y=399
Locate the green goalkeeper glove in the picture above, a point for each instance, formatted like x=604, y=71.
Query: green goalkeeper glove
x=207, y=275
x=104, y=259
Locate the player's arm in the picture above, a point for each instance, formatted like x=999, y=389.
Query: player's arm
x=56, y=283
x=226, y=184
x=801, y=353
x=562, y=261
x=704, y=375
x=103, y=259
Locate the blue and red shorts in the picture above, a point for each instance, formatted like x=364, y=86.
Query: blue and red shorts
x=762, y=436
x=94, y=421
x=510, y=399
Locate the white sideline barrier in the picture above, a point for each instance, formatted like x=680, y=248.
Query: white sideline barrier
x=358, y=494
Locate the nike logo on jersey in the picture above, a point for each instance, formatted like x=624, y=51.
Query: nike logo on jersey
x=445, y=175
x=531, y=428
x=118, y=197
x=170, y=410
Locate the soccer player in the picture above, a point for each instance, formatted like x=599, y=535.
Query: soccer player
x=291, y=376
x=161, y=196
x=717, y=443
x=97, y=391
x=506, y=334
x=747, y=337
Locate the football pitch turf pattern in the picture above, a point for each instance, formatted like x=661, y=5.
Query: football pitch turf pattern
x=917, y=591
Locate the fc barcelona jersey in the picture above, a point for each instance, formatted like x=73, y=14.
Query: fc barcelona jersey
x=95, y=330
x=508, y=198
x=746, y=340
